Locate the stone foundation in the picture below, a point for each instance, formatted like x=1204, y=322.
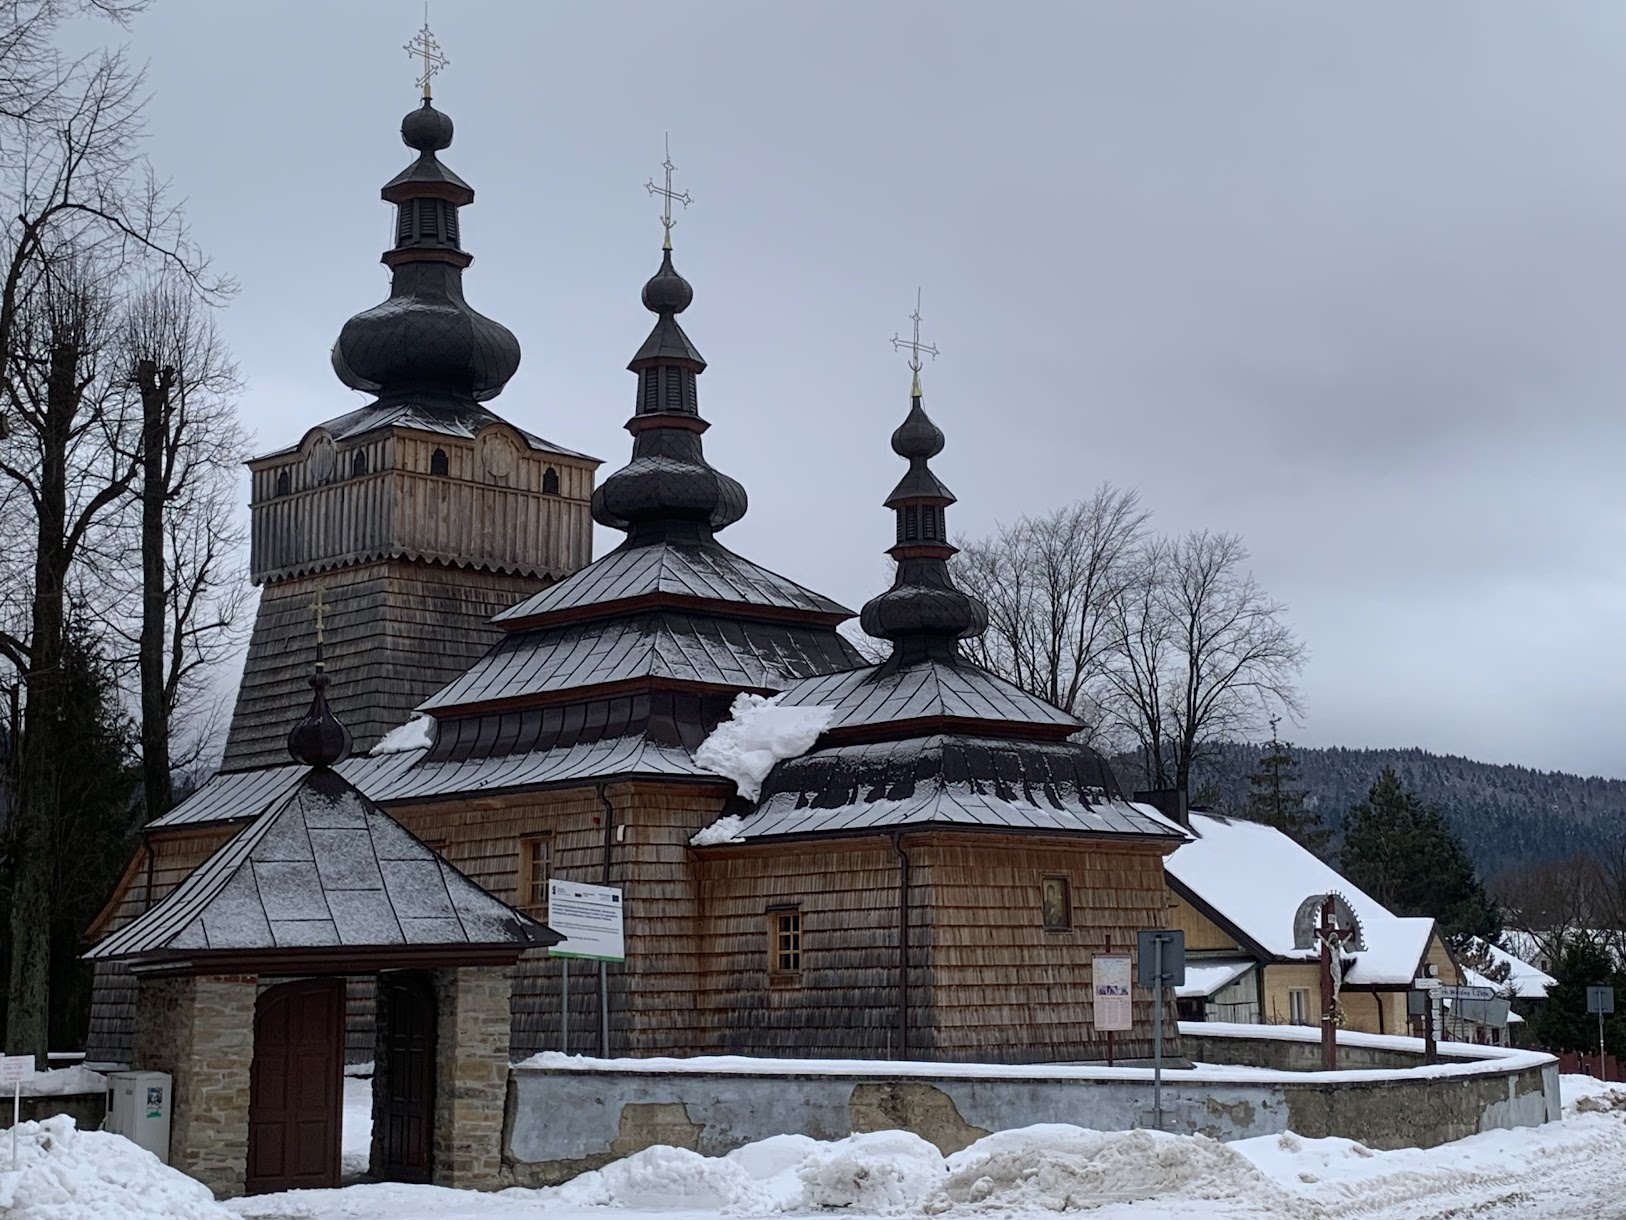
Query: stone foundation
x=201, y=1031
x=471, y=1067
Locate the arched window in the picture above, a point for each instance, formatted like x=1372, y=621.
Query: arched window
x=358, y=463
x=550, y=482
x=437, y=462
x=282, y=483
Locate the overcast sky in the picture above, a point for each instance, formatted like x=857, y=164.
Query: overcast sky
x=1349, y=280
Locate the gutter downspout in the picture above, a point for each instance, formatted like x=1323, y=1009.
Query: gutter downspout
x=903, y=942
x=604, y=967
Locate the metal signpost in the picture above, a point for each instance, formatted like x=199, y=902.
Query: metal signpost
x=14, y=1069
x=589, y=918
x=1161, y=962
x=1601, y=1000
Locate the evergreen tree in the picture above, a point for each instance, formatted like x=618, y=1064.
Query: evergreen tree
x=1561, y=1021
x=1403, y=853
x=1278, y=800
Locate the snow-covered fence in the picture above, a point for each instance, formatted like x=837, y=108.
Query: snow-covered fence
x=568, y=1114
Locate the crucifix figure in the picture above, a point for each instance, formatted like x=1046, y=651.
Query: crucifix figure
x=1332, y=939
x=423, y=46
x=668, y=195
x=914, y=346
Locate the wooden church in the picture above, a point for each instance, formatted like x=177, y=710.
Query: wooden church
x=930, y=880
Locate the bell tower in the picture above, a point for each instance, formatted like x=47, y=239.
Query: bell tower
x=416, y=518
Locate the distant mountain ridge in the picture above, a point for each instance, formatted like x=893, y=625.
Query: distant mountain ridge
x=1508, y=816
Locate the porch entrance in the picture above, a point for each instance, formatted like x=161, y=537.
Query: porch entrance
x=296, y=1087
x=406, y=1138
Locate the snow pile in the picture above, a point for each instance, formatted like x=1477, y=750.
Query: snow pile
x=723, y=830
x=1058, y=1168
x=416, y=734
x=59, y=1082
x=665, y=1178
x=757, y=734
x=879, y=1173
x=67, y=1174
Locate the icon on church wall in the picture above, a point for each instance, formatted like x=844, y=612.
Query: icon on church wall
x=1056, y=904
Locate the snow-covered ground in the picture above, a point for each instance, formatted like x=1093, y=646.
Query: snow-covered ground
x=1576, y=1168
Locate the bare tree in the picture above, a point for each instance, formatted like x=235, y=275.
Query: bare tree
x=192, y=593
x=81, y=213
x=1049, y=584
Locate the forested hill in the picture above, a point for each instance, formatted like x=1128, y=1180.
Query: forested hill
x=1506, y=815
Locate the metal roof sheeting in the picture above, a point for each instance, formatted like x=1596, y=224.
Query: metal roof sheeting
x=878, y=694
x=463, y=421
x=324, y=867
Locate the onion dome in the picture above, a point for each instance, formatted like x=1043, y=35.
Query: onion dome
x=319, y=740
x=668, y=480
x=923, y=613
x=425, y=343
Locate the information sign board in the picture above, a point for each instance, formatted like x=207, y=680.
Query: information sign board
x=1111, y=975
x=589, y=918
x=14, y=1069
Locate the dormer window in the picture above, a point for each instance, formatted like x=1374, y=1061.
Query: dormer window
x=283, y=483
x=358, y=463
x=550, y=482
x=438, y=464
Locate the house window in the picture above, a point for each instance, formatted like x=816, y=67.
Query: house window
x=550, y=482
x=437, y=462
x=1056, y=904
x=784, y=944
x=535, y=867
x=1298, y=1005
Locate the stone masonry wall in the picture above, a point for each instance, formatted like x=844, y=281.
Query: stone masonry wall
x=471, y=1075
x=201, y=1031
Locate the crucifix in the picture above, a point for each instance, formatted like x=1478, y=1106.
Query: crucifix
x=914, y=346
x=668, y=195
x=1332, y=939
x=423, y=46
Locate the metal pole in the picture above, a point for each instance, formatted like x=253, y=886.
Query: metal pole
x=1157, y=1030
x=16, y=1118
x=1603, y=1063
x=604, y=1010
x=1430, y=1054
x=1109, y=1032
x=564, y=1005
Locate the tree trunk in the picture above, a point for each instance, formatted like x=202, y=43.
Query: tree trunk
x=155, y=388
x=28, y=999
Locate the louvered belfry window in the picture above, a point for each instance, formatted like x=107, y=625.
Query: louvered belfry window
x=911, y=523
x=428, y=219
x=403, y=224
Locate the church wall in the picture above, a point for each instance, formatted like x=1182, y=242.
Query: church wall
x=842, y=1001
x=1006, y=988
x=396, y=632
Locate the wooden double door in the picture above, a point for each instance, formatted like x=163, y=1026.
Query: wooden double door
x=296, y=1087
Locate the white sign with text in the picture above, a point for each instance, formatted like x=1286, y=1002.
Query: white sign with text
x=1111, y=983
x=589, y=918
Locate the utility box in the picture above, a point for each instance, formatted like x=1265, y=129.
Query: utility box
x=139, y=1109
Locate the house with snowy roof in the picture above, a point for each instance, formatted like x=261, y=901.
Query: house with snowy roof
x=1235, y=889
x=928, y=874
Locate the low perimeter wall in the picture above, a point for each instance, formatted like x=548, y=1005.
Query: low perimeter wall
x=569, y=1114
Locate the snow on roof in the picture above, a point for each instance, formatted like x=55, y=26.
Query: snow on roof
x=756, y=735
x=1254, y=877
x=1528, y=982
x=1205, y=977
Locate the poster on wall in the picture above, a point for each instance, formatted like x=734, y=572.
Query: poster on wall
x=1111, y=982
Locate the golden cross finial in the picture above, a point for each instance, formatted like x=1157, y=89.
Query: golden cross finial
x=668, y=195
x=319, y=608
x=423, y=46
x=914, y=346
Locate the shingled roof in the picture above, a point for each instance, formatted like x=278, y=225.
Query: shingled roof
x=321, y=875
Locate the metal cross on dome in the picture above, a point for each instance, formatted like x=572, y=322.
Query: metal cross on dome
x=914, y=346
x=319, y=609
x=668, y=195
x=423, y=46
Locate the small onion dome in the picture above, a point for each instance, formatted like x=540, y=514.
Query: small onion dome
x=923, y=602
x=664, y=486
x=425, y=338
x=917, y=436
x=319, y=740
x=426, y=129
x=667, y=291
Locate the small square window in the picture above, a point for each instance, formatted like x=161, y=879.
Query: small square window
x=535, y=867
x=1298, y=1005
x=1056, y=903
x=784, y=943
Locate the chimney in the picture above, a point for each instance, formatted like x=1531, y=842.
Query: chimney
x=1170, y=802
